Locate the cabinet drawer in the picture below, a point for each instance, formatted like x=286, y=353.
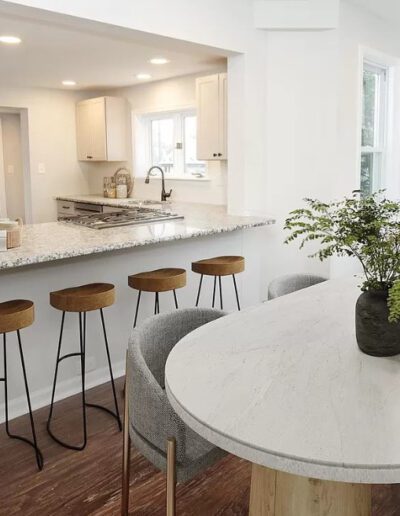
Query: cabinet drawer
x=110, y=209
x=65, y=208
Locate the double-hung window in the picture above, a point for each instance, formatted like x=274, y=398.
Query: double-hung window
x=171, y=143
x=374, y=127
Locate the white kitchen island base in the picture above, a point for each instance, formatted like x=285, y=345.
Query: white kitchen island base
x=275, y=493
x=56, y=256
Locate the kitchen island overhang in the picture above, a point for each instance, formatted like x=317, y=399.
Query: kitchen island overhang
x=56, y=255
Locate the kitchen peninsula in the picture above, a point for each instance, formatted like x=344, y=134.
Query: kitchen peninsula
x=58, y=255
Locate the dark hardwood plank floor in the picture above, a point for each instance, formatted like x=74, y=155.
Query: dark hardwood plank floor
x=88, y=482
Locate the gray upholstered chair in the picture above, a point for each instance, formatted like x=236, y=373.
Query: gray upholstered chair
x=150, y=422
x=292, y=282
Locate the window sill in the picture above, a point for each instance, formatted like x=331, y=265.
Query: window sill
x=181, y=178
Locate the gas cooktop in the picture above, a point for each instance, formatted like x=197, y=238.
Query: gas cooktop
x=129, y=217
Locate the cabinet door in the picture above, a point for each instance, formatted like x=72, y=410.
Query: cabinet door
x=222, y=117
x=98, y=129
x=207, y=95
x=83, y=131
x=91, y=130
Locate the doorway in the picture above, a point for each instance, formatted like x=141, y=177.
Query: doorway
x=14, y=202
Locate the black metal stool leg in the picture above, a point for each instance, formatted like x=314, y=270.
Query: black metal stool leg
x=236, y=291
x=220, y=293
x=215, y=286
x=82, y=331
x=39, y=456
x=56, y=372
x=116, y=413
x=137, y=308
x=198, y=293
x=175, y=299
x=156, y=304
x=82, y=334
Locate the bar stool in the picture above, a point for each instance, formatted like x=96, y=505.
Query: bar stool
x=14, y=316
x=160, y=280
x=81, y=300
x=218, y=267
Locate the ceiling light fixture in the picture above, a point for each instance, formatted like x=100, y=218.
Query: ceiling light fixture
x=10, y=40
x=143, y=76
x=159, y=60
x=69, y=83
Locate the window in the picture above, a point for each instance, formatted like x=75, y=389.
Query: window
x=374, y=125
x=171, y=142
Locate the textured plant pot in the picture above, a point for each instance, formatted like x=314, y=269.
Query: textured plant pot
x=376, y=336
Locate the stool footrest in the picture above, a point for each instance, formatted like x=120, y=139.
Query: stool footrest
x=100, y=407
x=39, y=456
x=69, y=356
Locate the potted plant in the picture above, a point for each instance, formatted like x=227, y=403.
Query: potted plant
x=367, y=228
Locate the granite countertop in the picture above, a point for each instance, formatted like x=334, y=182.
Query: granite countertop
x=53, y=241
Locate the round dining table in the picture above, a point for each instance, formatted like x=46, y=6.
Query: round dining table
x=285, y=386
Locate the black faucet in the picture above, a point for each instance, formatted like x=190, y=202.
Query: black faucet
x=164, y=194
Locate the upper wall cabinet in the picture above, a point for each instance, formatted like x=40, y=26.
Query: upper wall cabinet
x=101, y=129
x=211, y=96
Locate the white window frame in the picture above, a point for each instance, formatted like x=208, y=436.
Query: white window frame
x=379, y=149
x=179, y=154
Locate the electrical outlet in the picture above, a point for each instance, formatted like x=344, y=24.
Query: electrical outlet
x=10, y=170
x=41, y=168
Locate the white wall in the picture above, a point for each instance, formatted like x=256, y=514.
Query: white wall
x=12, y=160
x=171, y=94
x=313, y=131
x=300, y=134
x=52, y=141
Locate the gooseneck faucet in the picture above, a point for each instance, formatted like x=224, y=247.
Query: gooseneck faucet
x=164, y=194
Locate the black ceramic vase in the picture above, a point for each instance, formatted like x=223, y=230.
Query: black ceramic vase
x=376, y=336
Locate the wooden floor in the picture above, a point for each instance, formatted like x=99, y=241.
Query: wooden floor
x=88, y=482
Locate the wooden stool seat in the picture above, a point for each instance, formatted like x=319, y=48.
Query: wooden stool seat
x=85, y=298
x=160, y=280
x=15, y=315
x=219, y=266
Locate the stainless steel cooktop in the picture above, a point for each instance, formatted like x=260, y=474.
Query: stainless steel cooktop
x=131, y=217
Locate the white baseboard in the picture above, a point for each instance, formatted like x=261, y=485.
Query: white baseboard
x=65, y=389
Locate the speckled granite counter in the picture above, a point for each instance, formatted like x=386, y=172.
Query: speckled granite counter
x=57, y=240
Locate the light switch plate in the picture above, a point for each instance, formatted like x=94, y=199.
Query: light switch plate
x=41, y=168
x=10, y=170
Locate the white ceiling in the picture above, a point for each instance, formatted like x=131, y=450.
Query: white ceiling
x=94, y=55
x=388, y=10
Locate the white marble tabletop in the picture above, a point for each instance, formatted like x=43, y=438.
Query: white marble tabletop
x=284, y=385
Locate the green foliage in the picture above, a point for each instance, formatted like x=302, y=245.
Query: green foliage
x=365, y=227
x=394, y=302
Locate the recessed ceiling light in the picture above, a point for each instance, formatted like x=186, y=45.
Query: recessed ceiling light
x=143, y=76
x=69, y=83
x=159, y=60
x=10, y=40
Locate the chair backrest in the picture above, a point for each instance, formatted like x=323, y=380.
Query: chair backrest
x=291, y=283
x=153, y=340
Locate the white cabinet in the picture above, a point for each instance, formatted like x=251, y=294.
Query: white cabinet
x=101, y=129
x=211, y=98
